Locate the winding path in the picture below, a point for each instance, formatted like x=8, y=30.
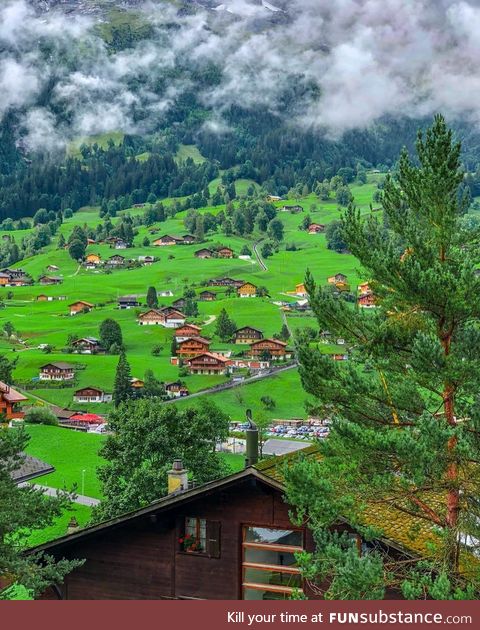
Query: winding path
x=257, y=255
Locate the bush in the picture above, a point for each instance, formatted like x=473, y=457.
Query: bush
x=157, y=350
x=41, y=415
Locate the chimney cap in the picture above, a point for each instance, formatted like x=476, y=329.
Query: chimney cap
x=251, y=424
x=177, y=464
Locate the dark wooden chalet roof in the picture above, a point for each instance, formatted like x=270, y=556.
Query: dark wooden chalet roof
x=30, y=468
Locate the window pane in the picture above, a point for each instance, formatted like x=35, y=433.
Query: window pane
x=269, y=556
x=191, y=526
x=277, y=578
x=253, y=593
x=273, y=536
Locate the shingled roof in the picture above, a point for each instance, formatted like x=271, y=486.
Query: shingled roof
x=30, y=467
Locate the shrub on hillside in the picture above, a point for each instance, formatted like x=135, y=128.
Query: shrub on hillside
x=41, y=415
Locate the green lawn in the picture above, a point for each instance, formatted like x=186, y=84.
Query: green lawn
x=70, y=452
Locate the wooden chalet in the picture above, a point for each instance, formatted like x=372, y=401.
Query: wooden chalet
x=186, y=331
x=300, y=290
x=58, y=371
x=137, y=383
x=4, y=279
x=367, y=300
x=226, y=282
x=50, y=280
x=207, y=296
x=247, y=335
x=338, y=277
x=179, y=303
x=87, y=345
x=273, y=347
x=273, y=198
x=166, y=240
x=248, y=289
x=9, y=401
x=44, y=298
x=80, y=307
x=152, y=317
x=127, y=301
x=91, y=395
x=52, y=268
x=225, y=252
x=245, y=542
x=168, y=317
x=364, y=288
x=204, y=253
x=146, y=260
x=316, y=228
x=192, y=346
x=188, y=239
x=120, y=244
x=93, y=259
x=176, y=390
x=115, y=261
x=208, y=363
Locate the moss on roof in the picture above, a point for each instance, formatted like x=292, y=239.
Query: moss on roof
x=412, y=534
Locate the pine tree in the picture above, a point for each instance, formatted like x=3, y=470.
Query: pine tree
x=152, y=298
x=225, y=326
x=25, y=510
x=122, y=388
x=405, y=436
x=61, y=242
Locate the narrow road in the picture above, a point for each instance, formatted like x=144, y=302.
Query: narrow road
x=232, y=385
x=52, y=492
x=257, y=255
x=285, y=321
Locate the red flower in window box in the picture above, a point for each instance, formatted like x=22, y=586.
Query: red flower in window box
x=189, y=543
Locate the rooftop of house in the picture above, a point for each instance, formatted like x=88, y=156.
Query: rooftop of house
x=29, y=468
x=405, y=532
x=9, y=394
x=61, y=365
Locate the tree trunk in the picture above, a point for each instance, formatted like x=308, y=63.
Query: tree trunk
x=453, y=494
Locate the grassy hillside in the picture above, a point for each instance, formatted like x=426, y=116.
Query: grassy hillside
x=49, y=322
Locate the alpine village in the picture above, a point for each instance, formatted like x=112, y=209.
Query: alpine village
x=239, y=355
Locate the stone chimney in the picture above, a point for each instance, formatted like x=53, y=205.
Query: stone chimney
x=177, y=477
x=73, y=526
